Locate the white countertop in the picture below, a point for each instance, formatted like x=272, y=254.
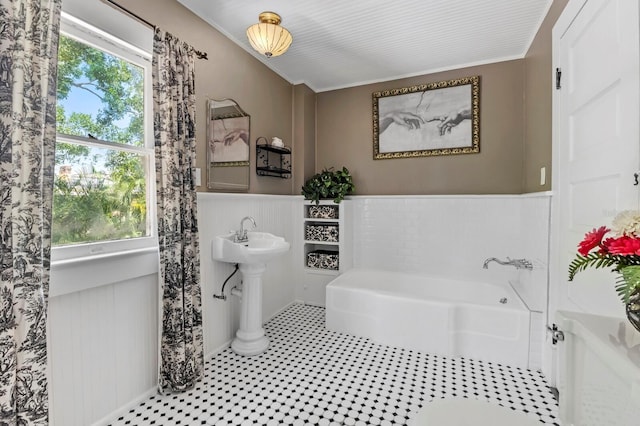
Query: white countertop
x=613, y=339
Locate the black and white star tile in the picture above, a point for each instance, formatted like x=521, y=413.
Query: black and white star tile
x=312, y=376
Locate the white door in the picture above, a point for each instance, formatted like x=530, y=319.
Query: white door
x=596, y=141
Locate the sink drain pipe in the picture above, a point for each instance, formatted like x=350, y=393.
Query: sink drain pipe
x=222, y=295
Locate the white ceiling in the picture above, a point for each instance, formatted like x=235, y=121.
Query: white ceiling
x=342, y=43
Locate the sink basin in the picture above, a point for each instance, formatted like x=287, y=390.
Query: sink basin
x=261, y=248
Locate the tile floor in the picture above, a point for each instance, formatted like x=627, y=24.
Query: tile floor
x=311, y=376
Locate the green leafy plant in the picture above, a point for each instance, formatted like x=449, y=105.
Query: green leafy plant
x=328, y=184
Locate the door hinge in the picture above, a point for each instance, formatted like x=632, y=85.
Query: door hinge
x=556, y=334
x=558, y=78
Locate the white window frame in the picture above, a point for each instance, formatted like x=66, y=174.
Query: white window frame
x=74, y=266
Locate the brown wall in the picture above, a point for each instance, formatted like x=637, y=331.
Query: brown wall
x=515, y=131
x=539, y=83
x=345, y=138
x=304, y=133
x=515, y=134
x=229, y=72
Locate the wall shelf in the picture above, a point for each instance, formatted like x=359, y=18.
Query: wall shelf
x=319, y=220
x=325, y=253
x=322, y=243
x=327, y=247
x=273, y=161
x=321, y=271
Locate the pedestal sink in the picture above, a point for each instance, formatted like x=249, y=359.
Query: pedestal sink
x=252, y=256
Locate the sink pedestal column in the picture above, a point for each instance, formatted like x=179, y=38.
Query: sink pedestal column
x=250, y=338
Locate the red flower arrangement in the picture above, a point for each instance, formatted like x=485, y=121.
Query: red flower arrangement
x=592, y=240
x=620, y=252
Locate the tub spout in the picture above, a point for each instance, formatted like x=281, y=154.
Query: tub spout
x=492, y=259
x=517, y=263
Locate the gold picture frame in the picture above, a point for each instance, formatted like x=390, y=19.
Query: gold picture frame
x=431, y=119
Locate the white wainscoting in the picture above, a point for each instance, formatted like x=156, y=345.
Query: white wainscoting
x=103, y=336
x=102, y=349
x=220, y=213
x=103, y=340
x=452, y=236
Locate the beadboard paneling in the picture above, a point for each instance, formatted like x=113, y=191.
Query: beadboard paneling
x=103, y=340
x=103, y=349
x=220, y=213
x=336, y=45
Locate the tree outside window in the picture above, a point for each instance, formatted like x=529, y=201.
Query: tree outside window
x=100, y=188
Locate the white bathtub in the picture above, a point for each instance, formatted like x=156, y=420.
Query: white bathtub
x=432, y=315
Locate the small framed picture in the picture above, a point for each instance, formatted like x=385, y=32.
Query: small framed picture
x=229, y=139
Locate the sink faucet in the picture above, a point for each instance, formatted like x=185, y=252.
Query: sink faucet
x=241, y=235
x=518, y=263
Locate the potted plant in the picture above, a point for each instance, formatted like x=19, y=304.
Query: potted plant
x=328, y=184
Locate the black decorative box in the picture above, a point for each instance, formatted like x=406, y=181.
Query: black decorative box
x=323, y=212
x=323, y=259
x=325, y=233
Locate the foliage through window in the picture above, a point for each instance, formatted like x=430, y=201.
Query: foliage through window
x=102, y=160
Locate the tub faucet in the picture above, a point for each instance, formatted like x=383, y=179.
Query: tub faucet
x=241, y=235
x=518, y=263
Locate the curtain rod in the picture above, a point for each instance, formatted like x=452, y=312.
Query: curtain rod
x=199, y=54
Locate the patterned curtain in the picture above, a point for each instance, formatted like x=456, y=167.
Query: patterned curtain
x=181, y=345
x=29, y=32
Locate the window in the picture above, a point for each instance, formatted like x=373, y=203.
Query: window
x=104, y=151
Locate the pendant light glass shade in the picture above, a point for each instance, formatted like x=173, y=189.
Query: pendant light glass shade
x=268, y=37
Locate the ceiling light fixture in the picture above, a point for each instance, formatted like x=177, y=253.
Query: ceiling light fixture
x=268, y=37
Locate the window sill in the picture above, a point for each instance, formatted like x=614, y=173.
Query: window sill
x=83, y=273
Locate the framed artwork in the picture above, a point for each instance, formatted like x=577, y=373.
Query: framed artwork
x=440, y=118
x=229, y=138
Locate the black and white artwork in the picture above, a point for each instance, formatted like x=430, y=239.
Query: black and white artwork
x=431, y=119
x=229, y=141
